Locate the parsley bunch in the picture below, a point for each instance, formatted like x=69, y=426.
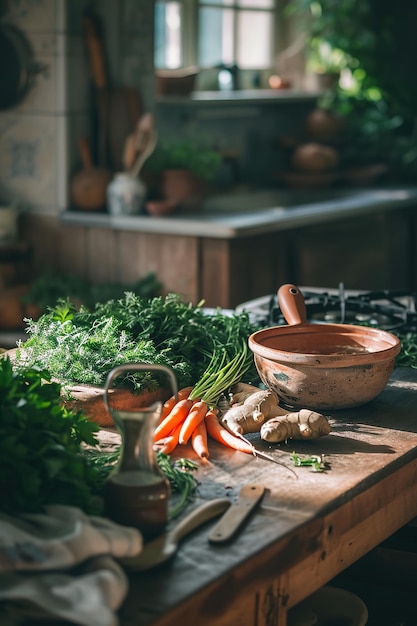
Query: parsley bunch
x=40, y=445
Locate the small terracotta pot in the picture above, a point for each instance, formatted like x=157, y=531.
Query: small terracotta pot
x=182, y=187
x=161, y=207
x=322, y=366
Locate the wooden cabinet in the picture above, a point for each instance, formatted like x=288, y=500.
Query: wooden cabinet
x=372, y=252
x=233, y=271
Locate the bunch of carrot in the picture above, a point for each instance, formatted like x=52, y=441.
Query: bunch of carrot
x=191, y=416
x=189, y=419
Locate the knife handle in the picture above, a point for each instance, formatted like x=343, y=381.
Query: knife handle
x=229, y=524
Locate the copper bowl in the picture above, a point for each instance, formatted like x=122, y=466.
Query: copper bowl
x=322, y=366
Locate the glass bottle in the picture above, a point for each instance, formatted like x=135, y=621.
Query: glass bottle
x=137, y=491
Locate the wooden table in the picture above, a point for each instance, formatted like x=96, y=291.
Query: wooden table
x=307, y=529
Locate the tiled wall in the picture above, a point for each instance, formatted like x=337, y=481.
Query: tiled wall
x=38, y=137
x=34, y=134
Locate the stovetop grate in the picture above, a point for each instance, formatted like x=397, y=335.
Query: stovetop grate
x=388, y=310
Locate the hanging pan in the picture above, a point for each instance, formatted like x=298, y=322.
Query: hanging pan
x=17, y=66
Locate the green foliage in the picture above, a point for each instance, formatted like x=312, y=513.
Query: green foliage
x=47, y=289
x=408, y=354
x=41, y=443
x=200, y=160
x=377, y=39
x=81, y=346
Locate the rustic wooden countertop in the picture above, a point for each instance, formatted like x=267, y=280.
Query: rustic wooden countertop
x=306, y=530
x=253, y=213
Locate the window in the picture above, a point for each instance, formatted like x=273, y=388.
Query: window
x=213, y=33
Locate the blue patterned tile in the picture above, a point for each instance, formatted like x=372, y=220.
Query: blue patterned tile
x=28, y=159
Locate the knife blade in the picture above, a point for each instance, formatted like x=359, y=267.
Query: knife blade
x=249, y=496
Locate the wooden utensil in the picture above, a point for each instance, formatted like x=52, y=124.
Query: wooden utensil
x=99, y=74
x=146, y=139
x=136, y=143
x=89, y=186
x=125, y=109
x=164, y=547
x=226, y=528
x=117, y=108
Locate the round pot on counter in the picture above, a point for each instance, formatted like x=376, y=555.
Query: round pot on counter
x=322, y=366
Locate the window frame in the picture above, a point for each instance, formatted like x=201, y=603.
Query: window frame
x=189, y=39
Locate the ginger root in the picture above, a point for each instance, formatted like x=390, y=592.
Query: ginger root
x=254, y=410
x=304, y=424
x=241, y=391
x=250, y=408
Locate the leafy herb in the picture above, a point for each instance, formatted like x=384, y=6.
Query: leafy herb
x=40, y=444
x=316, y=462
x=81, y=346
x=408, y=354
x=180, y=478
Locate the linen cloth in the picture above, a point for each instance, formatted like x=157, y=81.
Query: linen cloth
x=61, y=564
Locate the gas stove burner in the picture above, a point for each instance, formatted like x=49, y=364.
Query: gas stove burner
x=332, y=313
x=358, y=317
x=386, y=310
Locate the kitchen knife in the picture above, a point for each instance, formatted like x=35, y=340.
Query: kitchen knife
x=249, y=496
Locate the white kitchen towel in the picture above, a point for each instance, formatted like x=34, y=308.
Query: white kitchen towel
x=60, y=565
x=88, y=596
x=63, y=536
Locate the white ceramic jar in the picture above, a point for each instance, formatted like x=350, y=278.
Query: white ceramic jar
x=125, y=195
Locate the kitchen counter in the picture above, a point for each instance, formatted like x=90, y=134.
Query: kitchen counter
x=307, y=529
x=242, y=245
x=250, y=213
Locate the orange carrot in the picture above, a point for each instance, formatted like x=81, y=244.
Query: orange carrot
x=169, y=443
x=219, y=433
x=199, y=440
x=194, y=417
x=172, y=401
x=176, y=416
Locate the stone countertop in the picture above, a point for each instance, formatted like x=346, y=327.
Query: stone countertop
x=252, y=213
x=240, y=96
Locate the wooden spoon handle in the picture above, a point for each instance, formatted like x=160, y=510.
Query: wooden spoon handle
x=85, y=152
x=200, y=515
x=292, y=305
x=95, y=49
x=129, y=152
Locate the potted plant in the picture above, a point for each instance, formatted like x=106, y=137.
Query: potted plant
x=378, y=42
x=183, y=170
x=325, y=62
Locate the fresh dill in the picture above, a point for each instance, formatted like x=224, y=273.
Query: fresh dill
x=82, y=346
